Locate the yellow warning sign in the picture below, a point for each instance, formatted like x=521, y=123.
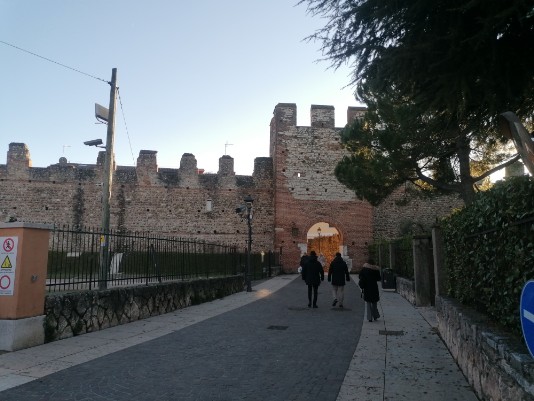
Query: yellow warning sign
x=6, y=264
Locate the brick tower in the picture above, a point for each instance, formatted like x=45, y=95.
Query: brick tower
x=308, y=195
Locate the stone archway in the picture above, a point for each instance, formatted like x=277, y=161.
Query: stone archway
x=325, y=240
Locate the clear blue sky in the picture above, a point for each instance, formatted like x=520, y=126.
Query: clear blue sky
x=193, y=75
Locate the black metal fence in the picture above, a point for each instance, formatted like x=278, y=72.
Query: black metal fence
x=395, y=254
x=75, y=258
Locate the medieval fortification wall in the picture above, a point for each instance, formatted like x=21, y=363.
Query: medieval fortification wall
x=174, y=202
x=293, y=189
x=306, y=190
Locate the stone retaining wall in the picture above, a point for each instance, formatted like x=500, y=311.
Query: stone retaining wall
x=497, y=366
x=406, y=288
x=71, y=314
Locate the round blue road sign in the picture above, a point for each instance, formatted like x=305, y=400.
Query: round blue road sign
x=526, y=308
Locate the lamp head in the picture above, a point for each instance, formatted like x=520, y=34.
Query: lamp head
x=94, y=142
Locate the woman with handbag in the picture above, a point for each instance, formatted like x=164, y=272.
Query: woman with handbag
x=368, y=278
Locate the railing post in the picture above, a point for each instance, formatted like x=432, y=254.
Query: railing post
x=380, y=253
x=440, y=274
x=392, y=264
x=423, y=271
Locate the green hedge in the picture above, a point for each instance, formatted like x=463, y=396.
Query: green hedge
x=490, y=250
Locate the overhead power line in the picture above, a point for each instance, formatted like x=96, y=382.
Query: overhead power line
x=126, y=126
x=83, y=73
x=55, y=62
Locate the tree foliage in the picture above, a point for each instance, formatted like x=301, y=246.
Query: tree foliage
x=435, y=75
x=398, y=141
x=459, y=55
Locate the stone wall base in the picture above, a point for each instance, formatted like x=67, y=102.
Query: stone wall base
x=18, y=334
x=406, y=288
x=497, y=365
x=77, y=313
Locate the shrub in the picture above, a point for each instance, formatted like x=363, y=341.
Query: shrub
x=490, y=250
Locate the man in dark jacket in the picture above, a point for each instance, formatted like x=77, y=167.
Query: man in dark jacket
x=338, y=274
x=312, y=274
x=369, y=276
x=303, y=260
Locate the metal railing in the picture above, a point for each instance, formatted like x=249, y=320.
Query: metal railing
x=135, y=258
x=401, y=261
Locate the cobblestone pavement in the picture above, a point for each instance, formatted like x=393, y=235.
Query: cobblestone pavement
x=274, y=348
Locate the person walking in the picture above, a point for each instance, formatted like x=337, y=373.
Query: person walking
x=312, y=274
x=322, y=260
x=338, y=274
x=368, y=278
x=303, y=260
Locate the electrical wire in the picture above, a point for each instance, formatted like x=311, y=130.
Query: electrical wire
x=55, y=62
x=86, y=74
x=126, y=126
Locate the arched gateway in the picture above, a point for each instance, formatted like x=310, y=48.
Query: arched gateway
x=325, y=241
x=308, y=195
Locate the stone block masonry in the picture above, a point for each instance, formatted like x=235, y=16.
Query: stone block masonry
x=395, y=216
x=306, y=190
x=496, y=364
x=294, y=189
x=71, y=314
x=168, y=202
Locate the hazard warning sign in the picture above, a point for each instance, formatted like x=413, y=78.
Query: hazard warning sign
x=8, y=264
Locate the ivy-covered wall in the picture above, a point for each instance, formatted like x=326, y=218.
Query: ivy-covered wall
x=489, y=248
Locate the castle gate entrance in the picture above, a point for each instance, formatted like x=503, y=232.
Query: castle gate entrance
x=325, y=241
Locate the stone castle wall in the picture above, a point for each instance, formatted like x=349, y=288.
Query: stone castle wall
x=401, y=212
x=174, y=202
x=293, y=189
x=306, y=190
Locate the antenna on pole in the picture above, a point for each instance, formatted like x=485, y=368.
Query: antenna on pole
x=226, y=146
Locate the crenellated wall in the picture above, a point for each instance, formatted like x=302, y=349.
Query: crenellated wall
x=293, y=189
x=306, y=190
x=144, y=198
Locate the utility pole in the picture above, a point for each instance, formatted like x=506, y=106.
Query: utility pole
x=108, y=178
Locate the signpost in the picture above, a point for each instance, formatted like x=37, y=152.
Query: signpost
x=526, y=308
x=8, y=264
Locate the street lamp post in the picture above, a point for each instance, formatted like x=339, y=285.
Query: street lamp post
x=319, y=233
x=248, y=202
x=246, y=212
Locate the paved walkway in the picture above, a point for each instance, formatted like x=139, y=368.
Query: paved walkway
x=262, y=345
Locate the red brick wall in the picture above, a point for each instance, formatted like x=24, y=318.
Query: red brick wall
x=306, y=190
